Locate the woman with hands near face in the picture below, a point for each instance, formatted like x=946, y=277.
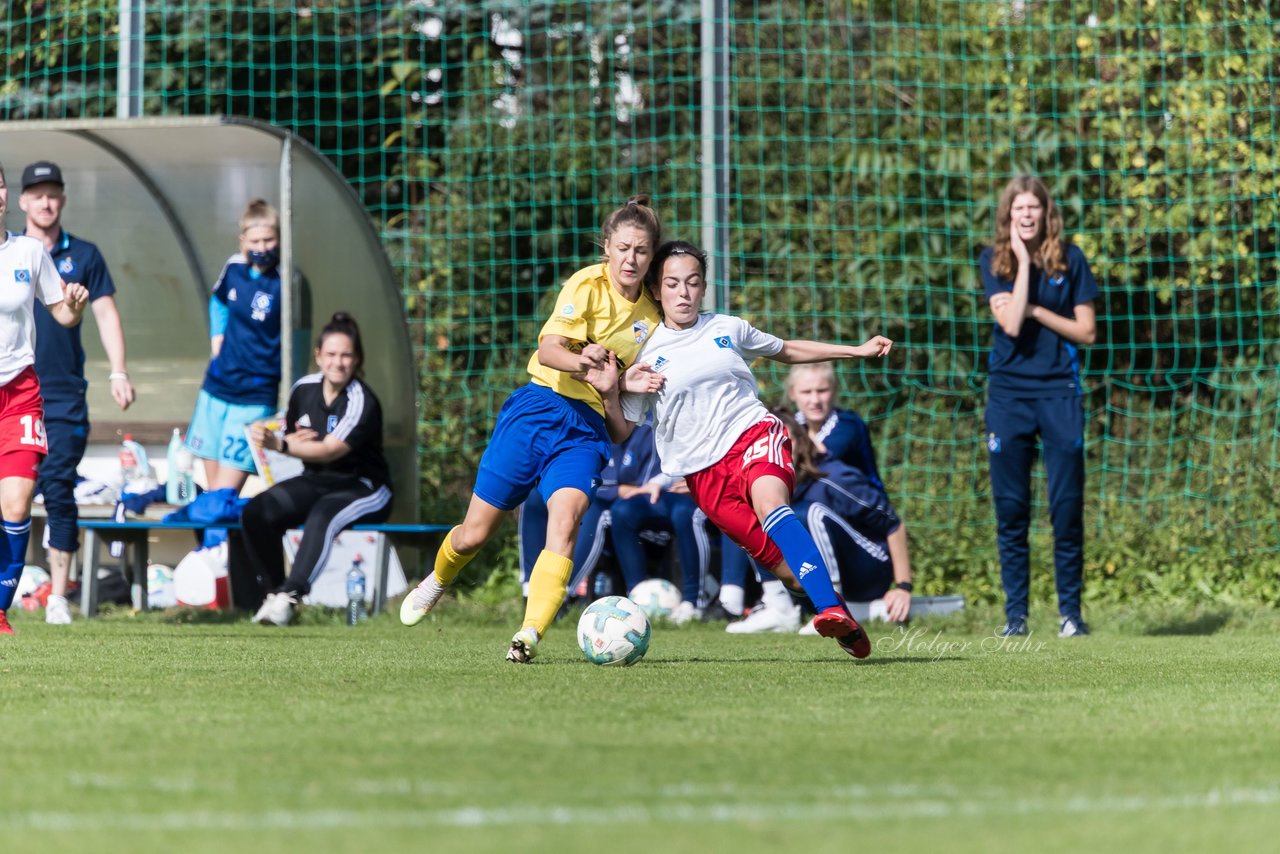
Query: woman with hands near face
x=1041, y=291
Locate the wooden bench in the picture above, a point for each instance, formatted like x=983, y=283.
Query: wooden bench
x=134, y=533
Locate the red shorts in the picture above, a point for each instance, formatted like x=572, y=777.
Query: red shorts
x=22, y=438
x=723, y=490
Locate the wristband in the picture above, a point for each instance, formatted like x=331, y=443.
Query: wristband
x=904, y=585
x=284, y=446
x=118, y=375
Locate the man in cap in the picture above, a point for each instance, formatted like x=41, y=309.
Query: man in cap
x=60, y=367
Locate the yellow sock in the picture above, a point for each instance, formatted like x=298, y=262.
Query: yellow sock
x=547, y=584
x=449, y=562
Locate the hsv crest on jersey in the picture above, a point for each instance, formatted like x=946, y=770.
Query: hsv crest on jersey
x=22, y=275
x=66, y=266
x=261, y=305
x=993, y=443
x=723, y=342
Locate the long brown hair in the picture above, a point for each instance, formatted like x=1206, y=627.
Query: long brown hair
x=635, y=212
x=804, y=454
x=1049, y=256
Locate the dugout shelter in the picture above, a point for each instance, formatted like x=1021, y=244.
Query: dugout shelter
x=162, y=199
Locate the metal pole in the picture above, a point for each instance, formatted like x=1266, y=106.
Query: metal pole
x=133, y=31
x=715, y=150
x=288, y=370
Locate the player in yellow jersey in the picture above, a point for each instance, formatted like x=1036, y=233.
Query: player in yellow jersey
x=551, y=433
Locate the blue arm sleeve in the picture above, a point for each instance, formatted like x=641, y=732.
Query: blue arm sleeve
x=218, y=313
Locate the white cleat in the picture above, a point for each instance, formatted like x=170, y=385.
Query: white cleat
x=277, y=610
x=421, y=600
x=524, y=646
x=56, y=612
x=774, y=617
x=686, y=612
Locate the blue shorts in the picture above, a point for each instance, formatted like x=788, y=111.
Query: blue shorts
x=217, y=431
x=542, y=438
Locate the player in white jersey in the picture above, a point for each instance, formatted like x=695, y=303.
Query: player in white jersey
x=712, y=429
x=26, y=273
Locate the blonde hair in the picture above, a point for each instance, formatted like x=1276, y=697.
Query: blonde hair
x=1049, y=256
x=824, y=370
x=259, y=212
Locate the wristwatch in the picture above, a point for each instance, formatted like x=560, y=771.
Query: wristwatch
x=904, y=585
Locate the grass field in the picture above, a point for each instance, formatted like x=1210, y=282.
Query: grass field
x=153, y=734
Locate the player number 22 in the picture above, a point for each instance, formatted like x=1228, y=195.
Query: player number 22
x=33, y=431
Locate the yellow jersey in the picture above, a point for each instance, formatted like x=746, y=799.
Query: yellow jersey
x=590, y=311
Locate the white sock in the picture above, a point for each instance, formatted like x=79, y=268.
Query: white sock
x=774, y=595
x=733, y=598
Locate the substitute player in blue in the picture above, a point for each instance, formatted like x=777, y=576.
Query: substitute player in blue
x=1041, y=293
x=551, y=433
x=60, y=367
x=242, y=380
x=859, y=534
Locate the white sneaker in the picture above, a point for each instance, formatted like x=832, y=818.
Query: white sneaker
x=277, y=610
x=421, y=600
x=260, y=616
x=808, y=628
x=56, y=612
x=686, y=612
x=524, y=646
x=767, y=618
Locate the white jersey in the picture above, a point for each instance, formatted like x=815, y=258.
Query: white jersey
x=26, y=272
x=710, y=397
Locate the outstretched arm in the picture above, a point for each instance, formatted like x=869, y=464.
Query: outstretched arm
x=804, y=352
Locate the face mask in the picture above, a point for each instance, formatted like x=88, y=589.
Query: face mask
x=265, y=260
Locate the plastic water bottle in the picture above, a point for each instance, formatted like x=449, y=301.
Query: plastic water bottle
x=603, y=585
x=186, y=476
x=355, y=593
x=129, y=462
x=173, y=482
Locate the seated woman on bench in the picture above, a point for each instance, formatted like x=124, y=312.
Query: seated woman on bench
x=334, y=425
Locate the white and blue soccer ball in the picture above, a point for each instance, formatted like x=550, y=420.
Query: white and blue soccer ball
x=613, y=632
x=657, y=596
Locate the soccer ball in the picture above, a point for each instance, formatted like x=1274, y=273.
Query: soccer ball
x=613, y=631
x=657, y=596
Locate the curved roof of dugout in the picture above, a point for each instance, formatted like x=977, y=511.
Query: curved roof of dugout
x=162, y=199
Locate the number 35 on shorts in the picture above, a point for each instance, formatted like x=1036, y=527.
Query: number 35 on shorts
x=32, y=432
